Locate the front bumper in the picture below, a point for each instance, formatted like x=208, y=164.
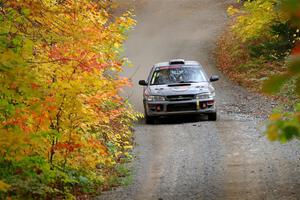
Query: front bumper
x=165, y=108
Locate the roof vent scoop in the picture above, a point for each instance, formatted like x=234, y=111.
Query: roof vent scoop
x=176, y=62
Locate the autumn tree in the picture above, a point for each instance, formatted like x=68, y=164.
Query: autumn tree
x=63, y=124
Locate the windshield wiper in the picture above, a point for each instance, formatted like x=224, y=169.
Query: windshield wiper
x=182, y=83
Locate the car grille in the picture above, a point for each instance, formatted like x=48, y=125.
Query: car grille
x=181, y=107
x=180, y=97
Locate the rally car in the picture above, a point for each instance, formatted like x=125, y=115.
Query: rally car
x=178, y=87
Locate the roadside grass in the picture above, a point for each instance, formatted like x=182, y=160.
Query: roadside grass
x=120, y=175
x=125, y=176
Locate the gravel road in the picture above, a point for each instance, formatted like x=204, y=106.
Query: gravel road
x=187, y=159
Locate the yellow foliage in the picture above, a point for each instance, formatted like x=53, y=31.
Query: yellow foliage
x=4, y=187
x=232, y=11
x=256, y=18
x=60, y=85
x=272, y=133
x=275, y=116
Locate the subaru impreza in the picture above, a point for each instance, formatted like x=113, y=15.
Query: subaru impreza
x=178, y=87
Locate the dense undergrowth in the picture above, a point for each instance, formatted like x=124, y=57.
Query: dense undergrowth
x=64, y=129
x=256, y=44
x=259, y=50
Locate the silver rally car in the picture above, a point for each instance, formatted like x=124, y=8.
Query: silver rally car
x=178, y=87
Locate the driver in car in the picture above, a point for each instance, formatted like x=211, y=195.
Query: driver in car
x=162, y=78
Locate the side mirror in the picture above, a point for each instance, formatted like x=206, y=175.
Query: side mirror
x=214, y=78
x=143, y=82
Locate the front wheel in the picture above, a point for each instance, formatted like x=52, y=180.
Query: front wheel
x=212, y=116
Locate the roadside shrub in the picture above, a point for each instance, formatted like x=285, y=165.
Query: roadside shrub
x=278, y=46
x=256, y=44
x=269, y=31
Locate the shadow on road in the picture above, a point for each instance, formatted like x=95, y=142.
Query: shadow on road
x=178, y=119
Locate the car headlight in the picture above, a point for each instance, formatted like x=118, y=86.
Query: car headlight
x=155, y=98
x=205, y=96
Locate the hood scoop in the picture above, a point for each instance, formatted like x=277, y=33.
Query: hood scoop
x=180, y=84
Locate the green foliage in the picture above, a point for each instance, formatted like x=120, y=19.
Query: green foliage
x=255, y=19
x=278, y=46
x=274, y=84
x=270, y=35
x=265, y=29
x=284, y=126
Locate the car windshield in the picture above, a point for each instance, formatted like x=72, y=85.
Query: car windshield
x=177, y=74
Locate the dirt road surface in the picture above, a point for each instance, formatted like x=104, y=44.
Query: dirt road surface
x=187, y=159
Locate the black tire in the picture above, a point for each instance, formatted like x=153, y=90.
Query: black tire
x=212, y=116
x=149, y=119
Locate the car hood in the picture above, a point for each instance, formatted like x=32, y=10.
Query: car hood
x=180, y=89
